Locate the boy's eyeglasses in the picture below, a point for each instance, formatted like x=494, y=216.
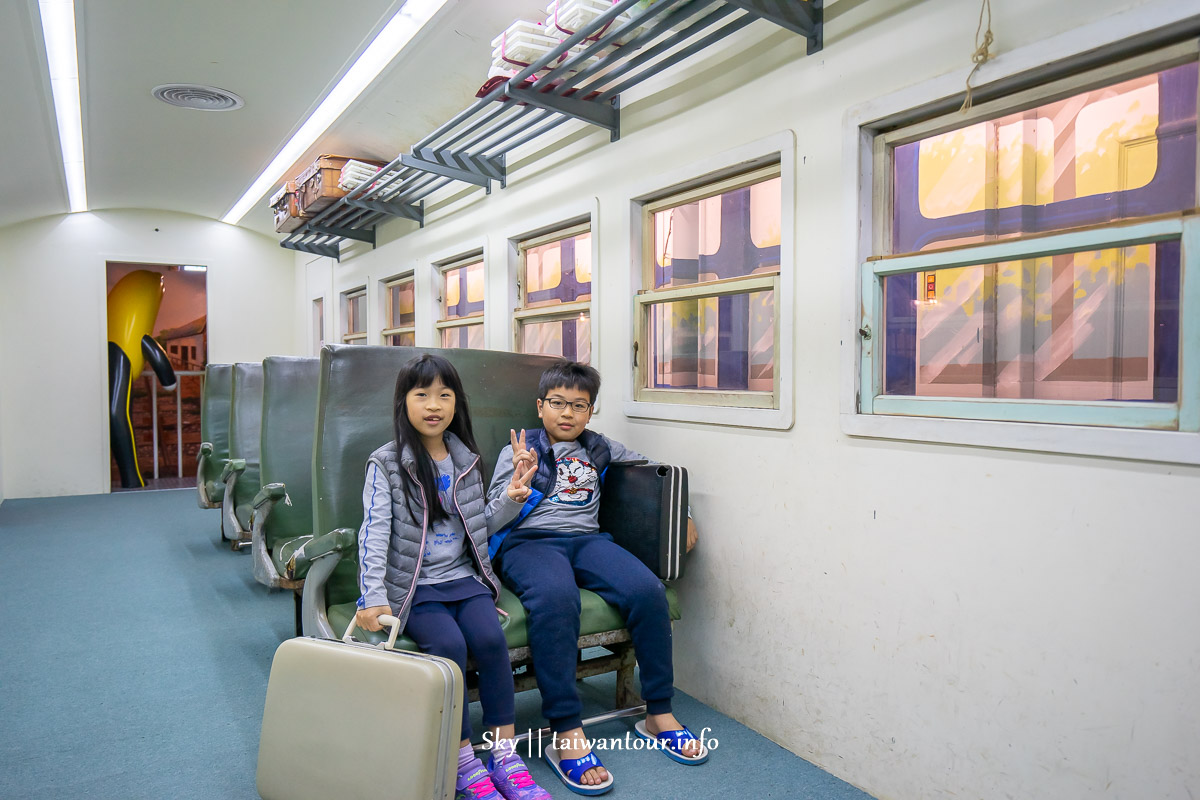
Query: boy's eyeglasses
x=558, y=404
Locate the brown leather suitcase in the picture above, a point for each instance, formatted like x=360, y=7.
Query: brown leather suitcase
x=349, y=720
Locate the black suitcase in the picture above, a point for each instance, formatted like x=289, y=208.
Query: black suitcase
x=644, y=507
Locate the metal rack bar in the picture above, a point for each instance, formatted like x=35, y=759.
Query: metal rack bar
x=472, y=147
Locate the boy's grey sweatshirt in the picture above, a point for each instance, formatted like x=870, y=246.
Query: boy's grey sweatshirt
x=574, y=504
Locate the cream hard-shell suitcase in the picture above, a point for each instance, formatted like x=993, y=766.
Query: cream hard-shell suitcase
x=348, y=720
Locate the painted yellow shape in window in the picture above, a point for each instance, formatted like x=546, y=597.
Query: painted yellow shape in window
x=475, y=282
x=1115, y=146
x=543, y=266
x=583, y=257
x=952, y=172
x=766, y=211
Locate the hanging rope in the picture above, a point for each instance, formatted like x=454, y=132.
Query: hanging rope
x=981, y=53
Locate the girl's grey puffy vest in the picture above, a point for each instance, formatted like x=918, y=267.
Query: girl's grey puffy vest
x=404, y=550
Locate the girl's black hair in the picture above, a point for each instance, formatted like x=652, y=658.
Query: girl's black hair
x=421, y=372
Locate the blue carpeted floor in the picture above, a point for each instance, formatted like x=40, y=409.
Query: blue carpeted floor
x=137, y=657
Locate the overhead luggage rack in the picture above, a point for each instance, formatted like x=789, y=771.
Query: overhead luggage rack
x=582, y=78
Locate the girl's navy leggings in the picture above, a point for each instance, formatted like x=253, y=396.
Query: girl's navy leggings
x=451, y=630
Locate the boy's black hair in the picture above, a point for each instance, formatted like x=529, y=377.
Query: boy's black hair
x=570, y=375
x=421, y=372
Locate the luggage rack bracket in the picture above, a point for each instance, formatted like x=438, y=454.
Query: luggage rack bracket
x=408, y=211
x=606, y=115
x=327, y=250
x=359, y=235
x=804, y=18
x=479, y=170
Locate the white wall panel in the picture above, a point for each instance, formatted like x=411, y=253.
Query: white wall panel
x=53, y=339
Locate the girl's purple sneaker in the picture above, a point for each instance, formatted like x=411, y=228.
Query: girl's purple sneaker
x=476, y=784
x=512, y=779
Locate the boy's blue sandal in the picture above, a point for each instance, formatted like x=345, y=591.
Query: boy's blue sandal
x=672, y=743
x=570, y=770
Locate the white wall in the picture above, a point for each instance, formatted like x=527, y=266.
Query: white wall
x=925, y=621
x=53, y=329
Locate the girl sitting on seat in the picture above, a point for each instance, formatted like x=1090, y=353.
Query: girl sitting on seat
x=423, y=559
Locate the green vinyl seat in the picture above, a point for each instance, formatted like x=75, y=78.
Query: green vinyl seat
x=241, y=473
x=214, y=434
x=354, y=417
x=282, y=515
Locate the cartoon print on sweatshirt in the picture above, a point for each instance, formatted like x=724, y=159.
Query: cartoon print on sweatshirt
x=576, y=482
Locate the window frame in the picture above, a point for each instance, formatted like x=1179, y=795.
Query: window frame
x=387, y=332
x=359, y=336
x=645, y=298
x=441, y=268
x=524, y=315
x=1103, y=52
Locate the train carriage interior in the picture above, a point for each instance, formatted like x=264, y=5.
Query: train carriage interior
x=873, y=273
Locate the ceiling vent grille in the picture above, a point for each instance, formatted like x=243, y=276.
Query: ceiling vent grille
x=201, y=98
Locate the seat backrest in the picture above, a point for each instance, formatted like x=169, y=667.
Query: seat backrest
x=354, y=418
x=289, y=417
x=214, y=409
x=245, y=428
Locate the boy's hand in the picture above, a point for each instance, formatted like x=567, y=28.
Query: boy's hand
x=692, y=535
x=521, y=454
x=368, y=618
x=518, y=487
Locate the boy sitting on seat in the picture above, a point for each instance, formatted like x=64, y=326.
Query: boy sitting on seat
x=551, y=545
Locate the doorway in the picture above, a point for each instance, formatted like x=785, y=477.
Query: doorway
x=158, y=349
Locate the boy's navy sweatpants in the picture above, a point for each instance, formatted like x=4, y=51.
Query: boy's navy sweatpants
x=451, y=630
x=546, y=570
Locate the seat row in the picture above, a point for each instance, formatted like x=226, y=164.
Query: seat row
x=284, y=454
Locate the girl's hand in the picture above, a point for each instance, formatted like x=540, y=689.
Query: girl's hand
x=518, y=486
x=521, y=454
x=368, y=618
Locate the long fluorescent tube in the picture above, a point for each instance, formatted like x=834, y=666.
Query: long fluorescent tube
x=58, y=30
x=387, y=45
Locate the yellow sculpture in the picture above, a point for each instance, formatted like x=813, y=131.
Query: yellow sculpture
x=132, y=310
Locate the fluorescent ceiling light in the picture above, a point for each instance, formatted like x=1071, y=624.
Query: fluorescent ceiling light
x=58, y=29
x=189, y=268
x=390, y=41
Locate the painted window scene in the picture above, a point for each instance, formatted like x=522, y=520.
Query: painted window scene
x=463, y=336
x=401, y=314
x=462, y=291
x=355, y=321
x=570, y=338
x=722, y=343
x=555, y=273
x=1123, y=151
x=1086, y=326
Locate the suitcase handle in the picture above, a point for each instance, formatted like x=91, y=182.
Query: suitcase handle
x=384, y=619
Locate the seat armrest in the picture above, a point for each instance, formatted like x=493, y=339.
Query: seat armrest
x=271, y=494
x=234, y=466
x=323, y=553
x=338, y=541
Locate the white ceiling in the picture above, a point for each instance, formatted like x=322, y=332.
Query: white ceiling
x=281, y=56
